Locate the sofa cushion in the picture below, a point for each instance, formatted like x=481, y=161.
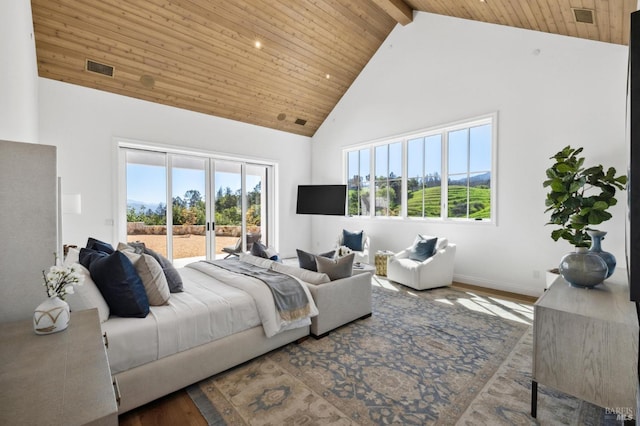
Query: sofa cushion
x=423, y=249
x=336, y=268
x=120, y=285
x=153, y=278
x=255, y=260
x=305, y=275
x=308, y=260
x=353, y=240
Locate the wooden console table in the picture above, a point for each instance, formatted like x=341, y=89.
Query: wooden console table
x=56, y=379
x=585, y=344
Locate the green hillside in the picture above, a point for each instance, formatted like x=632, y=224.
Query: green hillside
x=480, y=202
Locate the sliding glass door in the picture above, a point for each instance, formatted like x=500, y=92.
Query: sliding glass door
x=217, y=208
x=188, y=208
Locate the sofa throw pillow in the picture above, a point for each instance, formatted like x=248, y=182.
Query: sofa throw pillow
x=259, y=250
x=442, y=242
x=423, y=249
x=336, y=268
x=87, y=256
x=170, y=272
x=120, y=285
x=353, y=240
x=98, y=245
x=308, y=260
x=152, y=276
x=305, y=275
x=87, y=295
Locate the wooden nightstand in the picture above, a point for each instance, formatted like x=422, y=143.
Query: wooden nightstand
x=56, y=379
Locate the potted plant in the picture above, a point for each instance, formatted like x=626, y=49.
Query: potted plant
x=578, y=199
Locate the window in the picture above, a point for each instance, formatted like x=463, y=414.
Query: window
x=469, y=178
x=358, y=181
x=408, y=174
x=210, y=202
x=424, y=176
x=388, y=179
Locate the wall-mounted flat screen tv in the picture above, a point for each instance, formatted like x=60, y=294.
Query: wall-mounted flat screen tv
x=322, y=199
x=633, y=184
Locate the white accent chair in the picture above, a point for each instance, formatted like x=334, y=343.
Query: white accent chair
x=361, y=256
x=435, y=271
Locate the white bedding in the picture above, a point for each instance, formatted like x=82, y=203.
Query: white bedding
x=211, y=307
x=207, y=310
x=271, y=321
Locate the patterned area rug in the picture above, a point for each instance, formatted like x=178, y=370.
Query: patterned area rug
x=435, y=357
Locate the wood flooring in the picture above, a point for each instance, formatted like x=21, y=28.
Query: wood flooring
x=178, y=408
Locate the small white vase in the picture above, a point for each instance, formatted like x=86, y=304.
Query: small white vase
x=51, y=316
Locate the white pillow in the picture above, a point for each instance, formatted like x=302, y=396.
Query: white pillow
x=87, y=295
x=153, y=278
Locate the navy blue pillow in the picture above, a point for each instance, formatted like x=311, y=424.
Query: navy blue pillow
x=308, y=260
x=423, y=249
x=353, y=240
x=98, y=245
x=87, y=256
x=120, y=285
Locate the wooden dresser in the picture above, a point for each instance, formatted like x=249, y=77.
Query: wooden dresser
x=56, y=379
x=585, y=344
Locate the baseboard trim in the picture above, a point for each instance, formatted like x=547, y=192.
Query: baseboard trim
x=494, y=292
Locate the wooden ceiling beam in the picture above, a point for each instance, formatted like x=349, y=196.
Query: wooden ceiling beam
x=397, y=9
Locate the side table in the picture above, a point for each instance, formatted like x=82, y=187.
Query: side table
x=56, y=379
x=381, y=259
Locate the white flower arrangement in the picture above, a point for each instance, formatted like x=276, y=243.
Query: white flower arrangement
x=59, y=281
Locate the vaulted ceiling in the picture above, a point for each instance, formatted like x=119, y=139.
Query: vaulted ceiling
x=282, y=64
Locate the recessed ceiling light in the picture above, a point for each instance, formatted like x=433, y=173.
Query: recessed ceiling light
x=257, y=44
x=327, y=76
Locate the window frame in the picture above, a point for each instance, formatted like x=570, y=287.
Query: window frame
x=443, y=130
x=121, y=145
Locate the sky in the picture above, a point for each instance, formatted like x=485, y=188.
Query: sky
x=390, y=154
x=147, y=183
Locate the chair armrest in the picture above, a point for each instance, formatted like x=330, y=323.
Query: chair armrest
x=403, y=254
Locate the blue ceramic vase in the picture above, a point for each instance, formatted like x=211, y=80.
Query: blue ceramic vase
x=596, y=242
x=582, y=268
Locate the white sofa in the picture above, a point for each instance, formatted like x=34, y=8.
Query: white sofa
x=435, y=271
x=338, y=302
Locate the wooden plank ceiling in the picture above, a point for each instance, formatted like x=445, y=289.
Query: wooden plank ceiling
x=202, y=55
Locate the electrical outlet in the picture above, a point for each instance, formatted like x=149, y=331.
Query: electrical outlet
x=536, y=274
x=108, y=222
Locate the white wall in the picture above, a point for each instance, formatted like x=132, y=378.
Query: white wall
x=18, y=73
x=549, y=91
x=83, y=123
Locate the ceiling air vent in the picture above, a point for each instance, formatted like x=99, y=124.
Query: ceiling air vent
x=300, y=121
x=99, y=68
x=584, y=16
